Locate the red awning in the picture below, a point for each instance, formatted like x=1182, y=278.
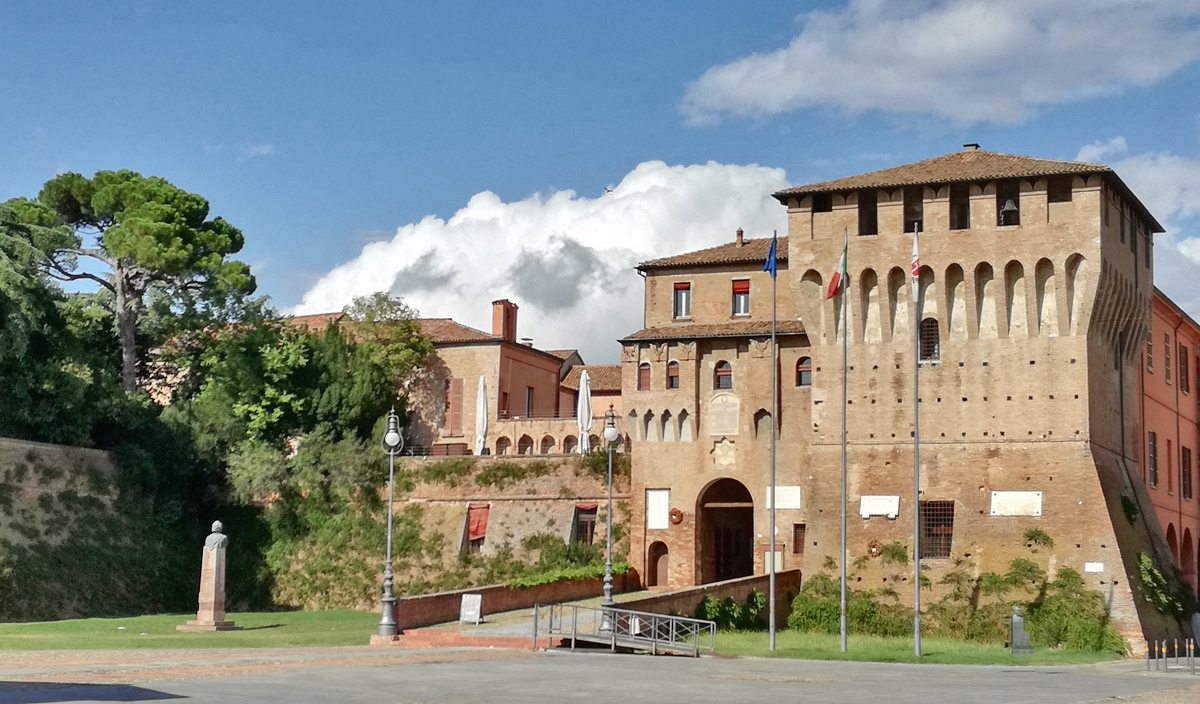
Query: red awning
x=682, y=285
x=586, y=507
x=477, y=521
x=741, y=286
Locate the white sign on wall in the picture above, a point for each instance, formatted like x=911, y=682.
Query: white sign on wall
x=1093, y=567
x=658, y=509
x=1016, y=503
x=723, y=415
x=789, y=497
x=778, y=561
x=879, y=506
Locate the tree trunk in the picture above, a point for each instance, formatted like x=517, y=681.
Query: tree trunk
x=128, y=305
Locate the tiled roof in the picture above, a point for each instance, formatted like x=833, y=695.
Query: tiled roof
x=562, y=354
x=445, y=330
x=728, y=253
x=737, y=328
x=967, y=165
x=604, y=377
x=317, y=322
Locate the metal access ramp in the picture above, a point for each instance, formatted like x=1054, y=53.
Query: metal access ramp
x=623, y=628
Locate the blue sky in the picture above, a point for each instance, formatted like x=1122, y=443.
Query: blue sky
x=320, y=128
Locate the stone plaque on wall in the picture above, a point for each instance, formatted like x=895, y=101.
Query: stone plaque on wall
x=723, y=415
x=788, y=496
x=879, y=506
x=1016, y=503
x=658, y=509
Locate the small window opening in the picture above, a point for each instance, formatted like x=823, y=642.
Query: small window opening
x=1008, y=203
x=723, y=376
x=798, y=537
x=584, y=530
x=804, y=371
x=960, y=206
x=914, y=208
x=683, y=301
x=1152, y=458
x=930, y=340
x=1058, y=190
x=673, y=375
x=1185, y=382
x=741, y=297
x=643, y=376
x=1167, y=356
x=528, y=401
x=822, y=202
x=937, y=529
x=868, y=212
x=1185, y=472
x=1150, y=357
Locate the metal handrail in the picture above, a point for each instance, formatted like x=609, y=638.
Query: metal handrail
x=626, y=627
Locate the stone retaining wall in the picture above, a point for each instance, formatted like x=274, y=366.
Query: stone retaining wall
x=685, y=601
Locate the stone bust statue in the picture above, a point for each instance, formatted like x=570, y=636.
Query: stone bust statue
x=216, y=539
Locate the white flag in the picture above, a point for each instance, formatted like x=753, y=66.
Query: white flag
x=916, y=268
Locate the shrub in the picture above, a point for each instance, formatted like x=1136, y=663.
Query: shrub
x=731, y=616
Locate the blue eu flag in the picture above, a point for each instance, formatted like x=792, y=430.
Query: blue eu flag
x=770, y=263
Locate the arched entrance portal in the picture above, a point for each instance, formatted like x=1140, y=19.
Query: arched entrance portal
x=726, y=542
x=657, y=563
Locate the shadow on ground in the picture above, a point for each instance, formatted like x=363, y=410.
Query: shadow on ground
x=39, y=692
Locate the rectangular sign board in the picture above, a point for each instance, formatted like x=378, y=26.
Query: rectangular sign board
x=788, y=496
x=658, y=509
x=1016, y=503
x=879, y=506
x=471, y=609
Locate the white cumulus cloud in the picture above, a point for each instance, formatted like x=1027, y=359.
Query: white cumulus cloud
x=566, y=260
x=964, y=60
x=251, y=151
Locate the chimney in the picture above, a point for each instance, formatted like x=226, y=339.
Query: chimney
x=504, y=319
x=738, y=242
x=970, y=147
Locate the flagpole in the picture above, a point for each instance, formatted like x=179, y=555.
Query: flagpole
x=845, y=367
x=774, y=417
x=916, y=278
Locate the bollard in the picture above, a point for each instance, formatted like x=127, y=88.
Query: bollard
x=1176, y=641
x=535, y=625
x=1147, y=657
x=1157, y=657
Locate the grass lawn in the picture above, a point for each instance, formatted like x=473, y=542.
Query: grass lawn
x=810, y=646
x=269, y=630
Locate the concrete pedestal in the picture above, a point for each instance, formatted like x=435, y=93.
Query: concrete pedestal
x=211, y=615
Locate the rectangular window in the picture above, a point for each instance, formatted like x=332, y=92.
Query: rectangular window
x=477, y=520
x=1167, y=356
x=914, y=208
x=673, y=375
x=937, y=529
x=528, y=401
x=658, y=509
x=960, y=206
x=1185, y=472
x=741, y=297
x=1170, y=470
x=1185, y=383
x=1150, y=356
x=1152, y=458
x=1008, y=203
x=643, y=376
x=683, y=301
x=1058, y=190
x=584, y=530
x=868, y=212
x=798, y=532
x=822, y=203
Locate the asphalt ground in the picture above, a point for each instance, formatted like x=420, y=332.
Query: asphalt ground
x=462, y=676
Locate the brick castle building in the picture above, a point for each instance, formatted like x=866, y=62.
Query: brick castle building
x=1036, y=290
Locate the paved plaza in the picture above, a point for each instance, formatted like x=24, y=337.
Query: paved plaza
x=461, y=676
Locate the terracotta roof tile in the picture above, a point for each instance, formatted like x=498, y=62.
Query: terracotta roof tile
x=445, y=330
x=562, y=354
x=316, y=322
x=967, y=165
x=728, y=253
x=604, y=377
x=737, y=328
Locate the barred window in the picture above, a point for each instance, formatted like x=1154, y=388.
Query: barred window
x=1185, y=472
x=931, y=347
x=937, y=529
x=798, y=534
x=1185, y=382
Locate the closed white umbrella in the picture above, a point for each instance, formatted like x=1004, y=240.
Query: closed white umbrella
x=481, y=417
x=583, y=412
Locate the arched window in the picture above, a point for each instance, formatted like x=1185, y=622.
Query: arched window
x=525, y=445
x=673, y=375
x=804, y=371
x=569, y=444
x=931, y=347
x=643, y=376
x=723, y=376
x=503, y=445
x=547, y=445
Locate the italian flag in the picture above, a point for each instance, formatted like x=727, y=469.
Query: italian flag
x=839, y=277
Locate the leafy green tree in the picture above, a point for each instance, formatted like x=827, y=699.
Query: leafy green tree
x=150, y=234
x=391, y=330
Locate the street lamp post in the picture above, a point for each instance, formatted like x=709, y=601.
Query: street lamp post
x=611, y=435
x=393, y=443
